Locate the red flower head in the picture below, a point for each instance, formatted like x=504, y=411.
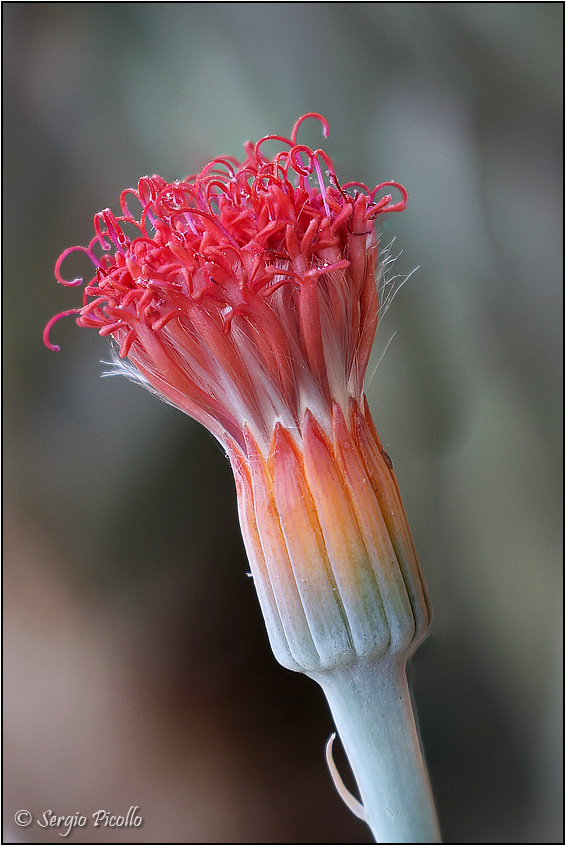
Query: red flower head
x=246, y=296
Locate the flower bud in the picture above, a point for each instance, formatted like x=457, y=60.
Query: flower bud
x=248, y=299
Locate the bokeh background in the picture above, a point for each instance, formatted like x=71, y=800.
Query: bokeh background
x=137, y=669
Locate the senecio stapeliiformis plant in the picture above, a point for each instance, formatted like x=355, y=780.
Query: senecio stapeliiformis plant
x=248, y=299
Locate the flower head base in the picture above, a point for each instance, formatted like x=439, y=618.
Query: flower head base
x=245, y=294
x=329, y=545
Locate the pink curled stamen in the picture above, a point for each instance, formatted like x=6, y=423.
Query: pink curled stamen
x=47, y=330
x=124, y=205
x=360, y=185
x=396, y=207
x=214, y=168
x=278, y=166
x=296, y=163
x=256, y=153
x=113, y=232
x=316, y=116
x=72, y=283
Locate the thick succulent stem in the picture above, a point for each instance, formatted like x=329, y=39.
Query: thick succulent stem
x=372, y=710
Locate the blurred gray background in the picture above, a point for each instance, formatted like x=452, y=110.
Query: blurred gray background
x=137, y=668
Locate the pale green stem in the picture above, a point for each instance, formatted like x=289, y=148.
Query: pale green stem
x=371, y=706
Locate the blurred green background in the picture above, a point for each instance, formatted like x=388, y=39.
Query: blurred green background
x=137, y=668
